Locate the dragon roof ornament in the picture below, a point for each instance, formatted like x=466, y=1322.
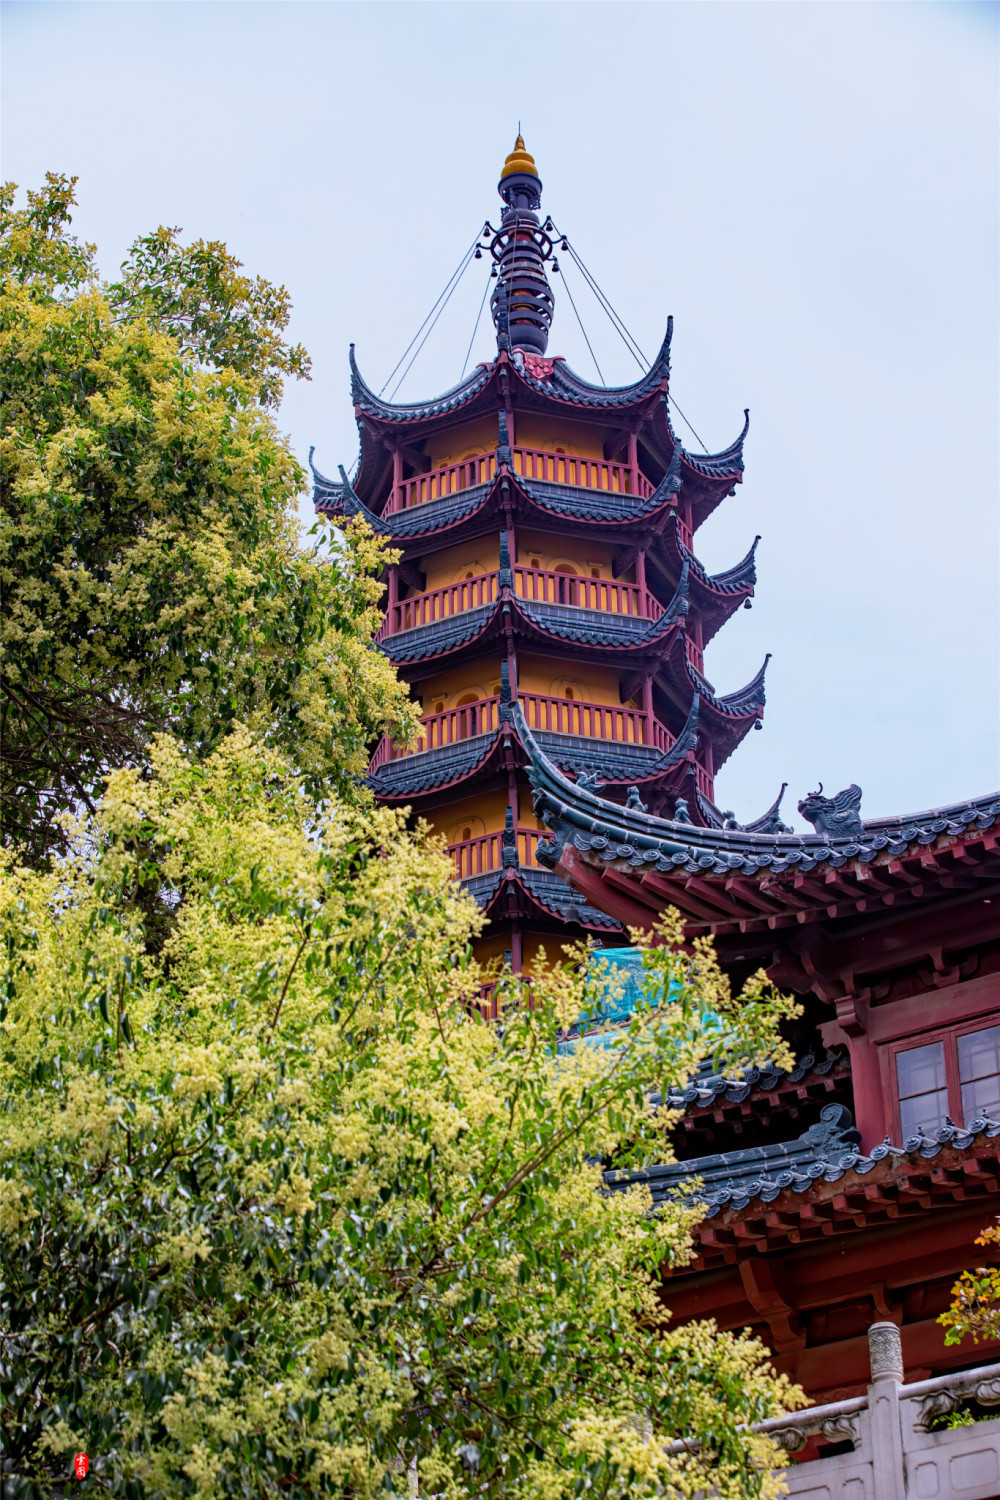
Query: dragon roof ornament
x=646, y=842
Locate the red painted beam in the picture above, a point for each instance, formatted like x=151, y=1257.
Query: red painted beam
x=842, y=1367
x=587, y=881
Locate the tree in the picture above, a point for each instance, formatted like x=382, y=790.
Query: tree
x=975, y=1305
x=284, y=1217
x=153, y=574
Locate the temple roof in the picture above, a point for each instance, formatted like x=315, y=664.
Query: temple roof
x=641, y=840
x=825, y=1152
x=562, y=386
x=527, y=892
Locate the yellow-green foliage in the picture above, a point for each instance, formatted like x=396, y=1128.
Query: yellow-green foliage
x=283, y=1217
x=152, y=571
x=975, y=1305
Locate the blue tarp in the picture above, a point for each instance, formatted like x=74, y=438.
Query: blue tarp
x=616, y=976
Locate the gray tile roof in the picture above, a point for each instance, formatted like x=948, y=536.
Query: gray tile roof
x=647, y=842
x=827, y=1151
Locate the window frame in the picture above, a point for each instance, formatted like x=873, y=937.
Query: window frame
x=949, y=1036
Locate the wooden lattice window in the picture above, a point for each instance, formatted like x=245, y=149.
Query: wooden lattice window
x=949, y=1073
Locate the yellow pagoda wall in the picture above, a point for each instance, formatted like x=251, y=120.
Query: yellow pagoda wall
x=453, y=563
x=548, y=550
x=445, y=688
x=551, y=676
x=555, y=436
x=466, y=441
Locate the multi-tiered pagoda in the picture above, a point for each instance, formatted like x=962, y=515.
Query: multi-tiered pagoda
x=546, y=527
x=550, y=612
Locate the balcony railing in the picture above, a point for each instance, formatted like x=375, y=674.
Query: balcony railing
x=438, y=604
x=544, y=586
x=446, y=728
x=540, y=585
x=594, y=721
x=532, y=463
x=479, y=855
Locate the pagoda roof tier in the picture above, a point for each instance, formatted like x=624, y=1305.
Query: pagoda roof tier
x=704, y=481
x=724, y=718
x=660, y=774
x=565, y=629
x=536, y=895
x=716, y=596
x=539, y=384
x=428, y=773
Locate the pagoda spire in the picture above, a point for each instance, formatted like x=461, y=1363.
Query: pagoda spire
x=522, y=299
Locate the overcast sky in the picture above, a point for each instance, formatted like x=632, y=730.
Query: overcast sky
x=810, y=188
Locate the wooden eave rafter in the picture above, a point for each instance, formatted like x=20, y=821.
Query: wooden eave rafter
x=894, y=1189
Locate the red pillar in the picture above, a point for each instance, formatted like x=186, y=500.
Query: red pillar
x=396, y=503
x=633, y=463
x=393, y=599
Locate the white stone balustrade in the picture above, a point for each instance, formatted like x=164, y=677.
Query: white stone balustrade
x=897, y=1453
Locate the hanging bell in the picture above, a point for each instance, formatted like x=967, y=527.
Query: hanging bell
x=555, y=266
x=565, y=244
x=479, y=254
x=494, y=272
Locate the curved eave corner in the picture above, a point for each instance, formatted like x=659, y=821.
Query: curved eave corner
x=367, y=401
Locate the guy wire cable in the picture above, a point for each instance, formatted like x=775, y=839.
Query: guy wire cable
x=582, y=329
x=630, y=342
x=457, y=272
x=684, y=419
x=616, y=321
x=468, y=261
x=475, y=329
x=622, y=329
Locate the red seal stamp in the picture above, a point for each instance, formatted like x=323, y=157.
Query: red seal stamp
x=81, y=1464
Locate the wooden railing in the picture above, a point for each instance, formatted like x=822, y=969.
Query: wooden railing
x=585, y=473
x=549, y=587
x=438, y=604
x=485, y=852
x=533, y=463
x=595, y=721
x=445, y=728
x=538, y=584
x=438, y=483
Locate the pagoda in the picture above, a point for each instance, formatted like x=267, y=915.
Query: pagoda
x=546, y=529
x=552, y=616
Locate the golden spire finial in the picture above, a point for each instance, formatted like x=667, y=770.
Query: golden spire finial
x=519, y=160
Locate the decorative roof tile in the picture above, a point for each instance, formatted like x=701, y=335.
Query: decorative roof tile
x=706, y=1087
x=613, y=833
x=412, y=774
x=826, y=1152
x=549, y=892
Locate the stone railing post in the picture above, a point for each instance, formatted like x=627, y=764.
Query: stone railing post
x=885, y=1355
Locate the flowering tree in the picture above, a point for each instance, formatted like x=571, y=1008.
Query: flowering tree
x=975, y=1305
x=284, y=1217
x=153, y=574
